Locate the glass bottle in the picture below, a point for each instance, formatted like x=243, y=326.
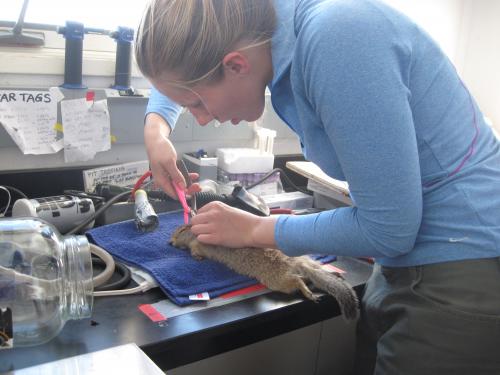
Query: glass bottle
x=45, y=280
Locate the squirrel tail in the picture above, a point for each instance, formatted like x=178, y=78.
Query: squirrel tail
x=332, y=284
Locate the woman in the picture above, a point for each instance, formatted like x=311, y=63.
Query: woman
x=375, y=102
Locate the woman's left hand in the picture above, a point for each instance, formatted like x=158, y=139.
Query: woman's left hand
x=217, y=223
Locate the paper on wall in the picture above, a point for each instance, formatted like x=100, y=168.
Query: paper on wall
x=56, y=93
x=86, y=127
x=29, y=117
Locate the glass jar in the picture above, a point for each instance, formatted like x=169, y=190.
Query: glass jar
x=45, y=280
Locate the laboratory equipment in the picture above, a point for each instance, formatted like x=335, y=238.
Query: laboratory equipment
x=45, y=280
x=74, y=33
x=63, y=211
x=124, y=37
x=146, y=219
x=203, y=164
x=239, y=198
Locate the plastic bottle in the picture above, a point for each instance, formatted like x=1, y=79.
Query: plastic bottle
x=45, y=280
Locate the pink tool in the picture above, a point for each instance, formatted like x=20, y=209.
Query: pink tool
x=181, y=194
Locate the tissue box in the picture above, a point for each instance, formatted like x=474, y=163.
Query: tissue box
x=244, y=160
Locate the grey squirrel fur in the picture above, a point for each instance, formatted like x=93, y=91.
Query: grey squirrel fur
x=274, y=269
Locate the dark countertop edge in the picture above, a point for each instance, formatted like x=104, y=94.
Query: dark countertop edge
x=206, y=343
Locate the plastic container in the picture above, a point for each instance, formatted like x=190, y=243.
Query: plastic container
x=264, y=140
x=294, y=200
x=244, y=160
x=45, y=280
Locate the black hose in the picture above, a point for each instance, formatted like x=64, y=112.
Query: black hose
x=120, y=268
x=84, y=223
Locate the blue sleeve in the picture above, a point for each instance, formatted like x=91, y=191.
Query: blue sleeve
x=162, y=105
x=355, y=70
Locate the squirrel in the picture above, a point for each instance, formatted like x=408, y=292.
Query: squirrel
x=274, y=269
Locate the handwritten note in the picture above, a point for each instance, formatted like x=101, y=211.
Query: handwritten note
x=86, y=127
x=29, y=117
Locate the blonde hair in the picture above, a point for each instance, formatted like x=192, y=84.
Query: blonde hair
x=191, y=37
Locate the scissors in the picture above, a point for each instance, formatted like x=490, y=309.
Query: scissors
x=189, y=209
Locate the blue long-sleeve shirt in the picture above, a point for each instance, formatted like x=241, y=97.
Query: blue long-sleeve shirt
x=375, y=102
x=164, y=107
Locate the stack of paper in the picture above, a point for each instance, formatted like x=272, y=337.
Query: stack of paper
x=320, y=182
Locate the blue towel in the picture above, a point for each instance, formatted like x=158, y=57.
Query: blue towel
x=178, y=274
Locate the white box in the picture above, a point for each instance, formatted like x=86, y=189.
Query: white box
x=295, y=200
x=244, y=160
x=201, y=161
x=206, y=167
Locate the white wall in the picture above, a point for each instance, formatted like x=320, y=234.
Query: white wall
x=480, y=60
x=469, y=33
x=440, y=18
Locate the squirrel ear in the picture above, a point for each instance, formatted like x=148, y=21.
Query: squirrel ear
x=184, y=228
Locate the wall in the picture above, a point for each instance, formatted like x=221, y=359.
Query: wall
x=441, y=19
x=469, y=33
x=480, y=55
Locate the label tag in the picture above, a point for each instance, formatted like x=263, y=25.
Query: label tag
x=152, y=313
x=6, y=329
x=200, y=297
x=243, y=291
x=121, y=174
x=331, y=268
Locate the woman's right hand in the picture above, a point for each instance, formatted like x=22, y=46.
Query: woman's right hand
x=162, y=156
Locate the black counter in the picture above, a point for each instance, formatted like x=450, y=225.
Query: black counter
x=189, y=337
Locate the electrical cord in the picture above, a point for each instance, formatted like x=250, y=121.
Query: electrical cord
x=285, y=176
x=8, y=200
x=8, y=189
x=123, y=270
x=107, y=260
x=139, y=182
x=97, y=199
x=142, y=287
x=16, y=190
x=103, y=208
x=104, y=257
x=111, y=289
